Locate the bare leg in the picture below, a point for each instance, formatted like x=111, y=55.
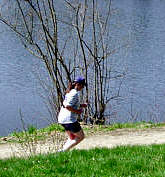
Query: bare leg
x=71, y=135
x=73, y=140
x=79, y=135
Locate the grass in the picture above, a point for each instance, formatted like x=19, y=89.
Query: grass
x=124, y=161
x=32, y=133
x=117, y=162
x=134, y=125
x=41, y=134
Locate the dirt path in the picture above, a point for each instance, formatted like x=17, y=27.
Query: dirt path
x=125, y=137
x=111, y=139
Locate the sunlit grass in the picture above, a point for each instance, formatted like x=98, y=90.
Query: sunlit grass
x=32, y=132
x=134, y=125
x=117, y=162
x=43, y=133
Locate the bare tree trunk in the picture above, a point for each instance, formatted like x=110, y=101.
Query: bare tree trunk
x=41, y=30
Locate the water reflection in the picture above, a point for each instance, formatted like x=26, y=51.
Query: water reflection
x=18, y=85
x=146, y=65
x=141, y=22
x=143, y=88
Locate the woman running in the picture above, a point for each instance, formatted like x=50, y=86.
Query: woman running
x=68, y=114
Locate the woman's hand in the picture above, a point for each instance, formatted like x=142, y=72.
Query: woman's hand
x=79, y=111
x=84, y=105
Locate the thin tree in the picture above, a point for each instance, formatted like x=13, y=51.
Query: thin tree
x=71, y=39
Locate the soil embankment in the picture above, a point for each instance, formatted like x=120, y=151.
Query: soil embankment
x=107, y=139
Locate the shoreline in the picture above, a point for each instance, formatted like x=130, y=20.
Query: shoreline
x=111, y=139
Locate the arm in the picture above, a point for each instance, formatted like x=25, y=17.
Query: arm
x=77, y=111
x=84, y=105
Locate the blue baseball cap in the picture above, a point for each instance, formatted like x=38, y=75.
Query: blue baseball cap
x=80, y=80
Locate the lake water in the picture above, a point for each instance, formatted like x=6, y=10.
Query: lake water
x=18, y=86
x=144, y=86
x=146, y=58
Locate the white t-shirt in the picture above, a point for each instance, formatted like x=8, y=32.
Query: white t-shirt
x=71, y=99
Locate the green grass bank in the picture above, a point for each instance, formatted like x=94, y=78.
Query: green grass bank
x=124, y=161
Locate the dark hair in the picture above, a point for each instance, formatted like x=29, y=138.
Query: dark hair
x=71, y=86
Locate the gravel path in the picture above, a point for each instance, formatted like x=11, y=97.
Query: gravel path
x=114, y=138
x=125, y=137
